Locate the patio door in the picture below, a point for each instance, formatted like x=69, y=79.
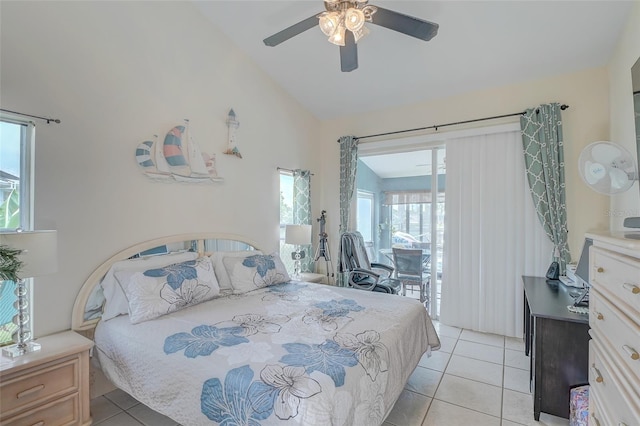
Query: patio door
x=407, y=184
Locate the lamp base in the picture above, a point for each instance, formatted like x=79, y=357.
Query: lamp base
x=18, y=349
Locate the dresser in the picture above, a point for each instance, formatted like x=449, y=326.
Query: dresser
x=49, y=387
x=557, y=343
x=614, y=317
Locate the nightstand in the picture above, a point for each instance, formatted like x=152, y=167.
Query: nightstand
x=48, y=387
x=311, y=277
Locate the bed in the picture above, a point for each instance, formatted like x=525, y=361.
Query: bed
x=266, y=351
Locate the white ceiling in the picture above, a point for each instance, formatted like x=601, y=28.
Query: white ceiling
x=480, y=44
x=404, y=164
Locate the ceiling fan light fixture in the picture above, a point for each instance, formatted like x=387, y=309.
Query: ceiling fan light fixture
x=354, y=19
x=337, y=37
x=329, y=22
x=368, y=12
x=357, y=35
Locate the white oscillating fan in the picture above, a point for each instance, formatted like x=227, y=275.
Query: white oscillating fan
x=607, y=167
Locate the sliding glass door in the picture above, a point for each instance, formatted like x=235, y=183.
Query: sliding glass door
x=407, y=197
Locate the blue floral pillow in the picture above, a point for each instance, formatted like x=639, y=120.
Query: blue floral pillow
x=156, y=292
x=255, y=271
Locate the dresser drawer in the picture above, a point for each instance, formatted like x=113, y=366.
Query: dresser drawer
x=597, y=414
x=61, y=412
x=619, y=335
x=38, y=385
x=617, y=405
x=620, y=276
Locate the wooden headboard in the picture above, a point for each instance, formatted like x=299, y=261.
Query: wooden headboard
x=200, y=242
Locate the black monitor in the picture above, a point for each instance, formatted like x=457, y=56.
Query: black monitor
x=582, y=273
x=582, y=268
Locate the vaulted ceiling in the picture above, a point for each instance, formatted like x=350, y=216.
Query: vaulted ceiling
x=480, y=44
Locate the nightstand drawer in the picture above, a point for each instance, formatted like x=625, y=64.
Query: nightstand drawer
x=61, y=412
x=35, y=386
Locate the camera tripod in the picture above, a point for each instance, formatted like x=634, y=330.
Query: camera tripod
x=323, y=248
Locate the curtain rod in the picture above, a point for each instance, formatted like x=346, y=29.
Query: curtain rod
x=47, y=119
x=562, y=107
x=292, y=171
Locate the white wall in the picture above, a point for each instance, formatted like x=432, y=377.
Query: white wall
x=586, y=120
x=116, y=73
x=622, y=122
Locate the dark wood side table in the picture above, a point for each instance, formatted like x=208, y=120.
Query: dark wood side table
x=557, y=342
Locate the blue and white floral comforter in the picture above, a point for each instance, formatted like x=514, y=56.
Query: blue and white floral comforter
x=294, y=353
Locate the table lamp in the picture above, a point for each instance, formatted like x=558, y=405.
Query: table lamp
x=38, y=254
x=298, y=235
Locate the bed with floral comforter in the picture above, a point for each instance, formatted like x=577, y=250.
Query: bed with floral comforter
x=293, y=353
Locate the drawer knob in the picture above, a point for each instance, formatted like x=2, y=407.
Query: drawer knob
x=599, y=315
x=29, y=391
x=595, y=420
x=632, y=352
x=600, y=269
x=632, y=288
x=596, y=374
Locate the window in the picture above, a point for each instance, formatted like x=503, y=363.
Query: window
x=365, y=215
x=16, y=151
x=286, y=216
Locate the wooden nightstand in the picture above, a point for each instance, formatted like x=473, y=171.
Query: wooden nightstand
x=311, y=277
x=48, y=387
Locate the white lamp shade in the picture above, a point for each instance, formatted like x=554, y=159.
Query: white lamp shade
x=39, y=251
x=299, y=235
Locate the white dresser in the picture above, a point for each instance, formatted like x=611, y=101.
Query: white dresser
x=614, y=318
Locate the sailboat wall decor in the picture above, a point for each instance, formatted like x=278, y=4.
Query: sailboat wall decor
x=178, y=158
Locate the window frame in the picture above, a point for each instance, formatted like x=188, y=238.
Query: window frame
x=368, y=195
x=27, y=161
x=26, y=190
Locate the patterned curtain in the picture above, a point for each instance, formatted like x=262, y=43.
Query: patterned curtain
x=544, y=161
x=302, y=211
x=348, y=170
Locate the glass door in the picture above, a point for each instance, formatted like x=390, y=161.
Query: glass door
x=409, y=209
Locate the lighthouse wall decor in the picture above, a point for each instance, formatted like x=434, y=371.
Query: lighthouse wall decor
x=232, y=124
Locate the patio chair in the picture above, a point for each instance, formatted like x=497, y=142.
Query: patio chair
x=410, y=270
x=361, y=273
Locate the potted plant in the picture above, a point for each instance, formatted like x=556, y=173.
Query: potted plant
x=10, y=263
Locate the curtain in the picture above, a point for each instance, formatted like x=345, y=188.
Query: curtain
x=544, y=159
x=302, y=211
x=348, y=170
x=492, y=235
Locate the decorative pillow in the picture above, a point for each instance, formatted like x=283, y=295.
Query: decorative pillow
x=221, y=273
x=255, y=271
x=157, y=292
x=116, y=301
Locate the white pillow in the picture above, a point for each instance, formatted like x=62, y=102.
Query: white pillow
x=116, y=301
x=224, y=281
x=159, y=291
x=255, y=271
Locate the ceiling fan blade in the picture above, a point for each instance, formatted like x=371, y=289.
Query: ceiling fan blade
x=292, y=31
x=349, y=53
x=409, y=25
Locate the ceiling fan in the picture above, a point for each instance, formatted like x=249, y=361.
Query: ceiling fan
x=343, y=22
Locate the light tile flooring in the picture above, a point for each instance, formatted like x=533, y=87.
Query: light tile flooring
x=475, y=379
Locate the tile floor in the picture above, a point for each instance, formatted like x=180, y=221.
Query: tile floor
x=475, y=379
